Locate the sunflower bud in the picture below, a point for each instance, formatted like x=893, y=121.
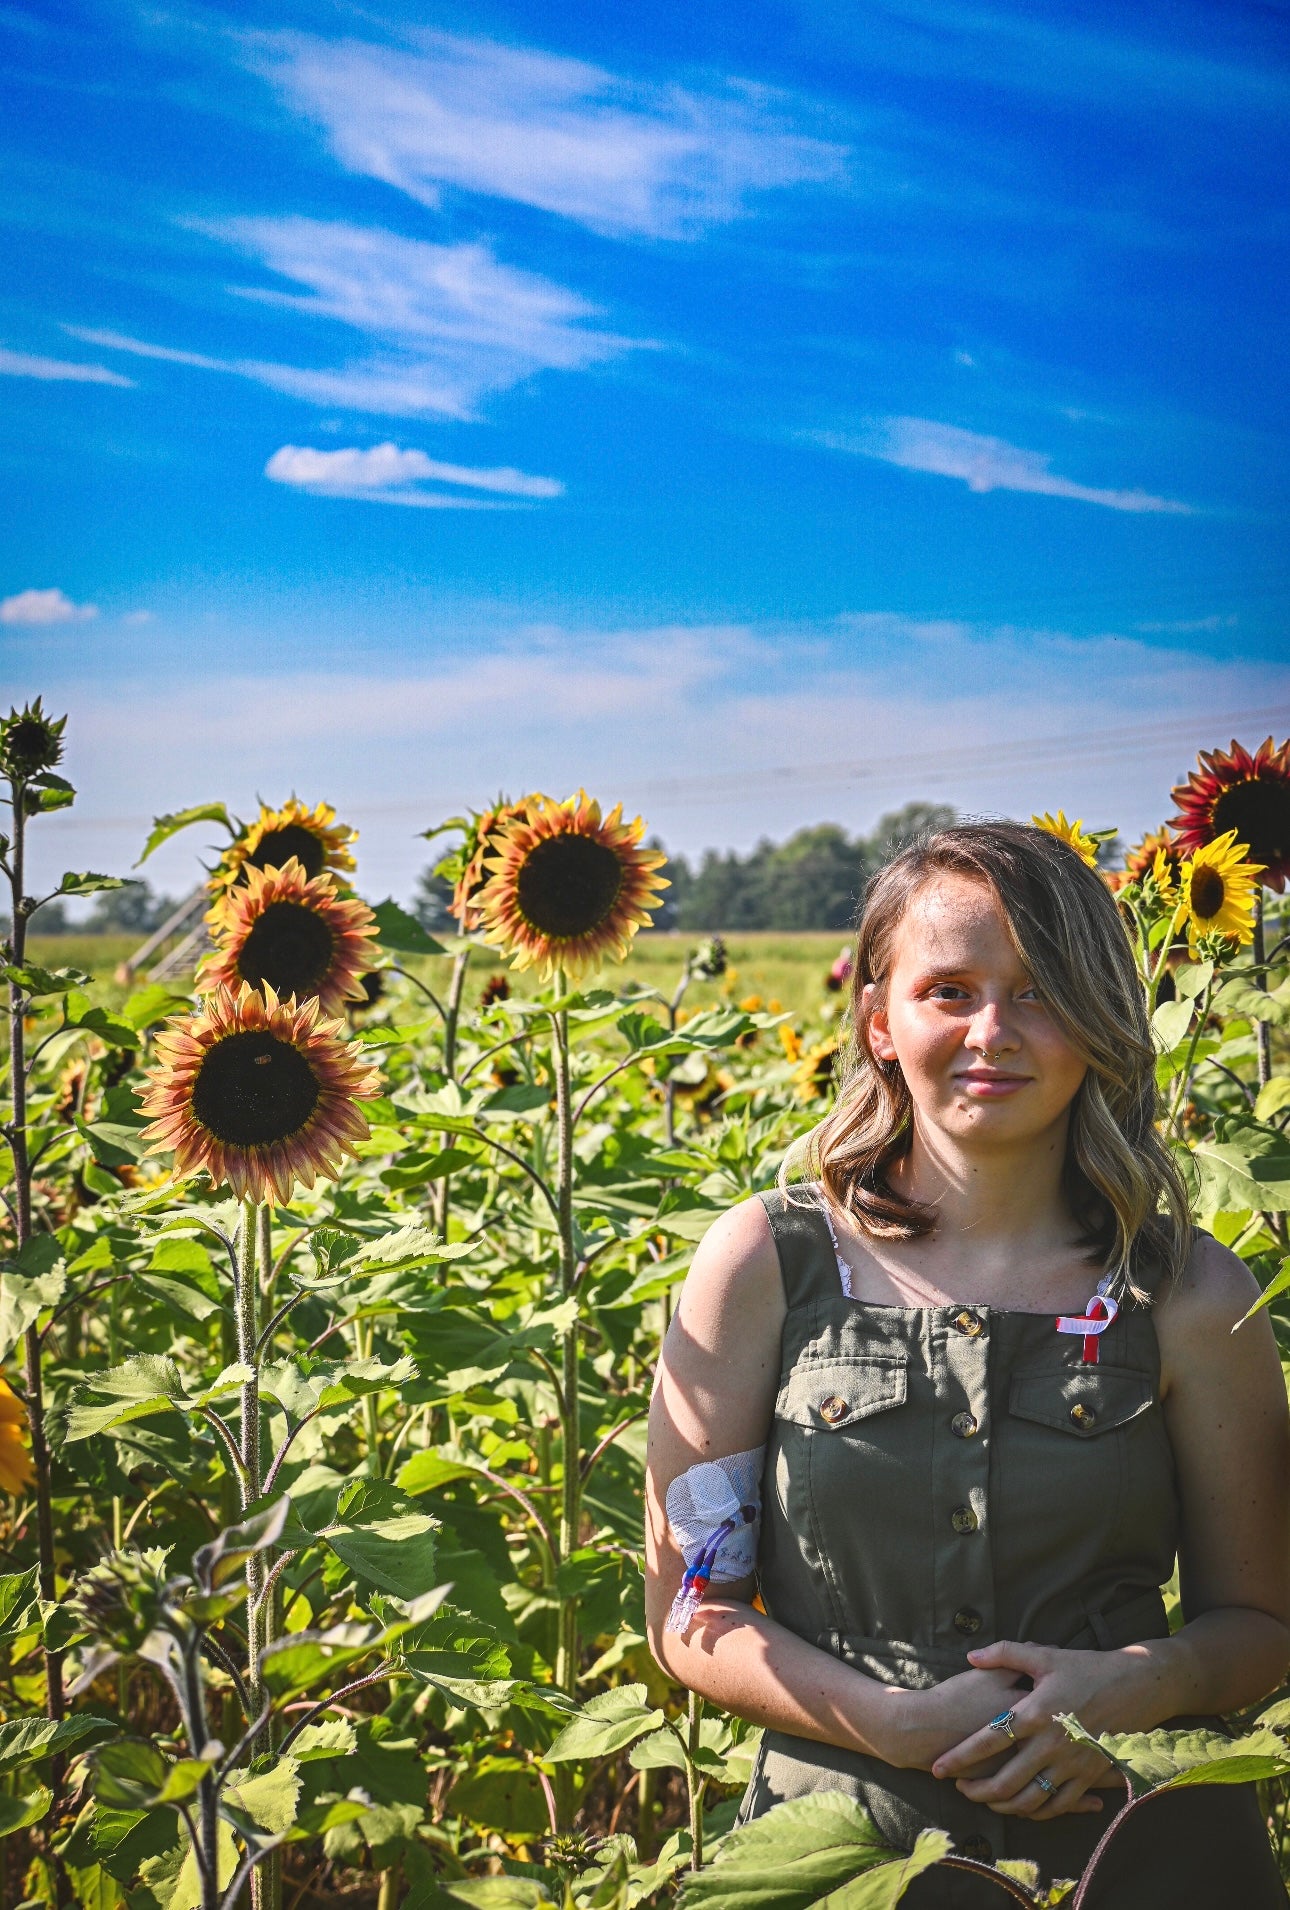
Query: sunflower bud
x=119, y=1602
x=30, y=742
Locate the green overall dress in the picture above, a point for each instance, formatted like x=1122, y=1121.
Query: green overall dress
x=940, y=1477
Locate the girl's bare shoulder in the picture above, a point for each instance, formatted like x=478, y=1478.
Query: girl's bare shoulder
x=1197, y=1317
x=735, y=1274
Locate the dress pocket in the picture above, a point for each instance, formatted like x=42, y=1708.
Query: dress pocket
x=830, y=1395
x=1085, y=1401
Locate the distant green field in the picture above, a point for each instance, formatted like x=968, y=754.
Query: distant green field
x=789, y=969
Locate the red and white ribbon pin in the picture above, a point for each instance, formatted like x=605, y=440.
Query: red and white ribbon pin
x=1091, y=1324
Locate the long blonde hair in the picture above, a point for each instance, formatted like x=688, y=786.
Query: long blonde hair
x=1120, y=1182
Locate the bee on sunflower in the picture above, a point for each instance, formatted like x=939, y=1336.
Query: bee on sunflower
x=258, y=1092
x=319, y=843
x=568, y=887
x=295, y=933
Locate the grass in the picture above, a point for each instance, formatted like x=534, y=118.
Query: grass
x=782, y=969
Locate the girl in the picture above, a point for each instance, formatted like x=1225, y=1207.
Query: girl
x=983, y=1371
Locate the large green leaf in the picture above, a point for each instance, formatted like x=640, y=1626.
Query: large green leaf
x=30, y=1281
x=609, y=1722
x=269, y=1798
x=384, y=1539
x=1248, y=1170
x=167, y=826
x=26, y=1741
x=793, y=1857
x=1168, y=1760
x=20, y=1813
x=402, y=932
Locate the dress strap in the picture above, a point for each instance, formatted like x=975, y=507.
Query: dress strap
x=809, y=1262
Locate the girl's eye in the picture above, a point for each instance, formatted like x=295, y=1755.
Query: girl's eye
x=947, y=991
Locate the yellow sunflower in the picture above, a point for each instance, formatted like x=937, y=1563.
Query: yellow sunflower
x=568, y=887
x=16, y=1469
x=318, y=842
x=468, y=861
x=260, y=1093
x=813, y=1075
x=297, y=935
x=1071, y=833
x=1218, y=889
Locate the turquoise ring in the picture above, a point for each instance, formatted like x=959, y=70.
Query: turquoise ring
x=1004, y=1723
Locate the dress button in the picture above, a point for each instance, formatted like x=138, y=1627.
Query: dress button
x=833, y=1408
x=967, y=1323
x=967, y=1621
x=964, y=1519
x=963, y=1425
x=1083, y=1415
x=979, y=1849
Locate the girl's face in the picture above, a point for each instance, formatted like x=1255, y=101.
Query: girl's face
x=983, y=1059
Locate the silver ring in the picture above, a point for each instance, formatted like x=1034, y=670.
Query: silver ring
x=1045, y=1785
x=1004, y=1723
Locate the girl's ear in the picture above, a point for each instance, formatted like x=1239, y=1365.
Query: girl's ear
x=874, y=1016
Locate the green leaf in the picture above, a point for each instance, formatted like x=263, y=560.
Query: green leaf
x=1274, y=1096
x=129, y=1773
x=331, y=1737
x=152, y=1004
x=1169, y=1760
x=1192, y=979
x=384, y=1539
x=19, y=1813
x=500, y=1893
x=270, y=1798
x=794, y=1856
x=111, y=1142
x=34, y=980
x=18, y=1595
x=216, y=1563
x=402, y=932
x=80, y=1012
x=23, y=1299
x=1274, y=1289
x=167, y=826
x=26, y=1741
x=298, y=1663
x=1249, y=1169
x=609, y=1722
x=1171, y=1021
x=88, y=884
x=660, y=1751
x=144, y=1385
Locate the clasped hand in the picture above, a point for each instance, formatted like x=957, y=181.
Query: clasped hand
x=1080, y=1682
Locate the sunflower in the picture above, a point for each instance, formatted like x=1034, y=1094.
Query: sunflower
x=1218, y=890
x=813, y=1075
x=467, y=865
x=1249, y=796
x=260, y=1093
x=318, y=842
x=300, y=936
x=30, y=742
x=16, y=1469
x=567, y=887
x=1071, y=833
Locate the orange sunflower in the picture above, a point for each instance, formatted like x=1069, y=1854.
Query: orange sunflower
x=260, y=1093
x=1250, y=795
x=16, y=1469
x=318, y=842
x=568, y=887
x=294, y=933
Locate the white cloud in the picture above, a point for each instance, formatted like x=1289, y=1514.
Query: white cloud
x=983, y=463
x=384, y=474
x=444, y=324
x=134, y=617
x=44, y=606
x=19, y=364
x=624, y=159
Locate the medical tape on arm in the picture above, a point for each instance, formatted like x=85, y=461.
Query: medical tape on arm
x=714, y=1511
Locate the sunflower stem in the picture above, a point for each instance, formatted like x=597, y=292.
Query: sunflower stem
x=245, y=1314
x=566, y=1663
x=1262, y=1029
x=17, y=1137
x=451, y=1018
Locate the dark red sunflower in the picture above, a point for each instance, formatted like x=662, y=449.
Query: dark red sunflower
x=1234, y=790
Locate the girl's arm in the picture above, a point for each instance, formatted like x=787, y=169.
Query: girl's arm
x=1225, y=1408
x=715, y=1395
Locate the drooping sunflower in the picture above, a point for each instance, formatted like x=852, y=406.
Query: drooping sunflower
x=260, y=1093
x=16, y=1469
x=297, y=934
x=318, y=842
x=1071, y=833
x=1218, y=890
x=468, y=873
x=1249, y=795
x=568, y=887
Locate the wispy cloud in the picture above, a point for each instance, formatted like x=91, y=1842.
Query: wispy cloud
x=983, y=463
x=624, y=159
x=385, y=474
x=20, y=364
x=445, y=324
x=44, y=606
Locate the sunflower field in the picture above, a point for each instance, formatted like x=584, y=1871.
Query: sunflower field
x=332, y=1280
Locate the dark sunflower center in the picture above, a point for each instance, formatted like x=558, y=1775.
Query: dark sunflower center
x=1259, y=811
x=1207, y=891
x=290, y=947
x=568, y=885
x=253, y=1089
x=279, y=845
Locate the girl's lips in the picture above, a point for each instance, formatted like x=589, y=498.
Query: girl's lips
x=989, y=1085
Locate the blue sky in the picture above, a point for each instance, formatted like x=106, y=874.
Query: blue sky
x=758, y=413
